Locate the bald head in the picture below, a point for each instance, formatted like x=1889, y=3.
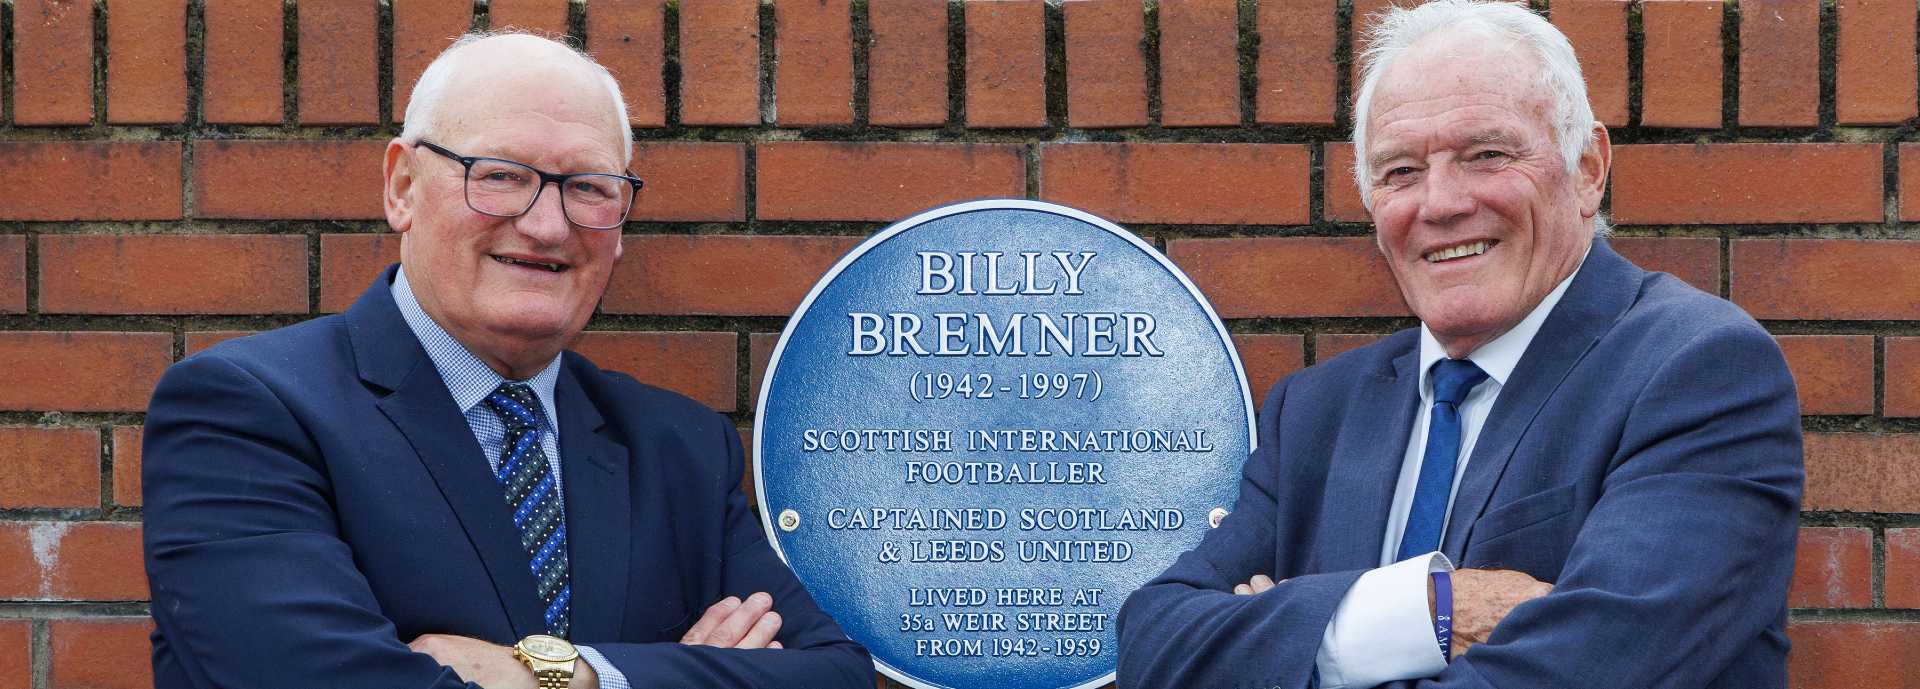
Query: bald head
x=454, y=95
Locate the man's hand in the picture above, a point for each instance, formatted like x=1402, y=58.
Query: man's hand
x=1259, y=584
x=733, y=623
x=490, y=665
x=1484, y=597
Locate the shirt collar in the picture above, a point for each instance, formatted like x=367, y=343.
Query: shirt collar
x=468, y=378
x=1501, y=355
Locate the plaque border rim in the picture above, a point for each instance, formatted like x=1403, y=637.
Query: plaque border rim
x=916, y=220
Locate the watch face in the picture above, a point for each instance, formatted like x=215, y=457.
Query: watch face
x=543, y=647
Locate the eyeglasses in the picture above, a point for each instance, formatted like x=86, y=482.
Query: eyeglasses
x=505, y=189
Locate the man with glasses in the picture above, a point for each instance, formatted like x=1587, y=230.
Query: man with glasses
x=427, y=491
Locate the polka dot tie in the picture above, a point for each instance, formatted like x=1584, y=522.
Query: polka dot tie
x=534, y=499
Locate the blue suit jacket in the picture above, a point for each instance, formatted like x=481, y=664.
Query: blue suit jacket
x=1644, y=459
x=314, y=500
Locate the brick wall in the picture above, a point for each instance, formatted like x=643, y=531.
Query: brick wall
x=173, y=174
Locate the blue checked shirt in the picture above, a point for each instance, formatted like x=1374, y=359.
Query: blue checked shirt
x=470, y=381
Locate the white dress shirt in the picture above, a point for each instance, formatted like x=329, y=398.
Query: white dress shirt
x=1383, y=629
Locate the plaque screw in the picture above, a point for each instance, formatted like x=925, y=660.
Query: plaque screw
x=789, y=520
x=1214, y=517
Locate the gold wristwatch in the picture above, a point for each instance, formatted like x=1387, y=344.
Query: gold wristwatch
x=550, y=658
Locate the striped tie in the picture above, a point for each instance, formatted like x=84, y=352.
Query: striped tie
x=534, y=499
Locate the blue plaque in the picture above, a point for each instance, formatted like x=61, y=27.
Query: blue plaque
x=986, y=426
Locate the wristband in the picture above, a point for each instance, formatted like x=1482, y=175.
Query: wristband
x=1443, y=614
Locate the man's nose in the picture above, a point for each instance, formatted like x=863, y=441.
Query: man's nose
x=1448, y=195
x=546, y=222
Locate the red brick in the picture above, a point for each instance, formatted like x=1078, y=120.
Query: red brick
x=1903, y=568
x=701, y=365
x=101, y=653
x=1340, y=198
x=759, y=355
x=1824, y=278
x=1902, y=387
x=629, y=37
x=1006, y=64
x=1832, y=568
x=334, y=179
x=41, y=178
x=1695, y=260
x=420, y=31
x=1862, y=472
x=813, y=68
x=1296, y=63
x=1874, y=81
x=1598, y=31
x=1844, y=655
x=1264, y=184
x=93, y=561
x=719, y=274
x=691, y=181
x=811, y=180
x=1199, y=63
x=1293, y=276
x=200, y=340
x=1680, y=76
x=53, y=56
x=82, y=371
x=1833, y=372
x=349, y=263
x=545, y=16
x=173, y=274
x=126, y=465
x=1909, y=181
x=244, y=62
x=1747, y=183
x=1780, y=63
x=1329, y=345
x=13, y=273
x=339, y=63
x=1268, y=358
x=907, y=64
x=49, y=467
x=720, y=62
x=1106, y=67
x=147, y=62
x=16, y=654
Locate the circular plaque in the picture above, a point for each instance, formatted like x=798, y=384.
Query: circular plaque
x=984, y=428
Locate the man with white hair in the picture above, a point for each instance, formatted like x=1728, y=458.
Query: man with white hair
x=1610, y=457
x=427, y=490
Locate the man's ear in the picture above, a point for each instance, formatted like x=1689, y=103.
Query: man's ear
x=398, y=186
x=1595, y=163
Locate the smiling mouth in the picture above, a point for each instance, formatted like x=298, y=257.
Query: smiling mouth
x=549, y=267
x=1461, y=251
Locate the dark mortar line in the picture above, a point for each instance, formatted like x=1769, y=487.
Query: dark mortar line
x=1730, y=66
x=1247, y=52
x=1150, y=54
x=7, y=58
x=1886, y=328
x=1854, y=615
x=481, y=18
x=1636, y=63
x=861, y=35
x=289, y=64
x=1869, y=520
x=1890, y=183
x=30, y=237
x=205, y=227
x=71, y=419
x=99, y=66
x=956, y=67
x=743, y=373
x=383, y=61
x=1316, y=184
x=107, y=453
x=769, y=63
x=42, y=612
x=577, y=23
x=1857, y=424
x=1054, y=81
x=1879, y=375
x=750, y=177
x=670, y=66
x=1878, y=585
x=1344, y=62
x=172, y=324
x=313, y=271
x=1725, y=246
x=196, y=57
x=40, y=652
x=1828, y=75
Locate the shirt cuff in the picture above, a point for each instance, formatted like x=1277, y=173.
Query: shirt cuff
x=610, y=676
x=1383, y=630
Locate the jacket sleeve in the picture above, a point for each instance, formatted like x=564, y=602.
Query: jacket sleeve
x=1186, y=628
x=251, y=583
x=816, y=654
x=1685, y=560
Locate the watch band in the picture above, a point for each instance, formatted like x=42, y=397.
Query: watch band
x=553, y=679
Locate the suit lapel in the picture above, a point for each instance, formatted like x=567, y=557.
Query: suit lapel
x=1363, y=474
x=1604, y=289
x=599, y=525
x=390, y=358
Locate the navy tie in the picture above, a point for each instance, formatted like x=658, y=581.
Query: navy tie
x=534, y=499
x=1452, y=380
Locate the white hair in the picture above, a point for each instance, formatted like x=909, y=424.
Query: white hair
x=1395, y=30
x=423, y=107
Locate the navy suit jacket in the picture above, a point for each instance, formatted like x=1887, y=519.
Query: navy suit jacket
x=1644, y=458
x=314, y=500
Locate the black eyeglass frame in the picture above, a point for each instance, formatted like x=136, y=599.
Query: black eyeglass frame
x=559, y=179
